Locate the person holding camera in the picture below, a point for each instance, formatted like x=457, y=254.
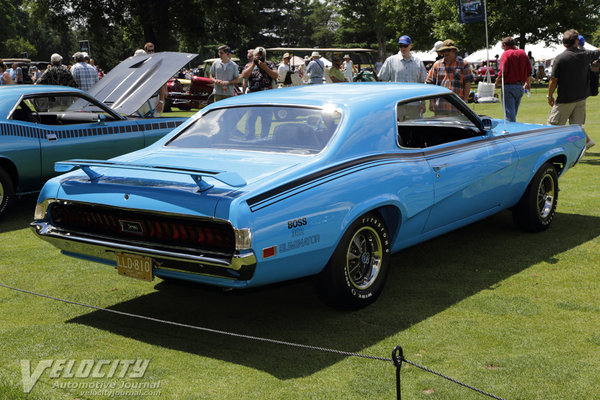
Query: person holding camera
x=261, y=73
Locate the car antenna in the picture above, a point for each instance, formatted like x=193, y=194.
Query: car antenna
x=504, y=131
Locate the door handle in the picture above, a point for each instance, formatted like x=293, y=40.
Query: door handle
x=51, y=136
x=438, y=168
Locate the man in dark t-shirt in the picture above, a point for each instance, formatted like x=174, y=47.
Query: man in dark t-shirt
x=570, y=71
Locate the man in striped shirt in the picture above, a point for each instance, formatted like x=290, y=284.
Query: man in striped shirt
x=451, y=72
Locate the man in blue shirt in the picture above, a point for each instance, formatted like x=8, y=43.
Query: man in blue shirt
x=315, y=69
x=84, y=74
x=403, y=67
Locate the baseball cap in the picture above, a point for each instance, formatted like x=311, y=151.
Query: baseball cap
x=581, y=40
x=404, y=40
x=55, y=57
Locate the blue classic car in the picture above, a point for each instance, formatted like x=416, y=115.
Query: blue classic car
x=323, y=180
x=42, y=124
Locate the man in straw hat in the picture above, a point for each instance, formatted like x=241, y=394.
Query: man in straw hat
x=348, y=67
x=451, y=72
x=315, y=69
x=284, y=71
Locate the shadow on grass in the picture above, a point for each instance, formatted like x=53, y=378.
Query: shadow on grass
x=591, y=158
x=20, y=213
x=425, y=280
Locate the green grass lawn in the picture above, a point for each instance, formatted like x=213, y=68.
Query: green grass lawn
x=512, y=313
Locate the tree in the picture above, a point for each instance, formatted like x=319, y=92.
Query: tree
x=379, y=23
x=529, y=21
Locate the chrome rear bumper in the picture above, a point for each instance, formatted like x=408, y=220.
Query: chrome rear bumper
x=240, y=266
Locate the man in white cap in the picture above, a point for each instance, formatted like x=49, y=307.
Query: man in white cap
x=348, y=68
x=315, y=69
x=403, y=67
x=436, y=48
x=84, y=74
x=57, y=74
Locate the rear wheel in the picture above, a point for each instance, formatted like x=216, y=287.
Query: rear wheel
x=7, y=191
x=537, y=207
x=356, y=273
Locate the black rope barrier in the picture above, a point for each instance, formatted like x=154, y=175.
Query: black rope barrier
x=397, y=354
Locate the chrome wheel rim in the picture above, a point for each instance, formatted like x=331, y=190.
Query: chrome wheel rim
x=363, y=259
x=546, y=195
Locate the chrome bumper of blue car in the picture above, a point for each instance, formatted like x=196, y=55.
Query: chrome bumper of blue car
x=240, y=266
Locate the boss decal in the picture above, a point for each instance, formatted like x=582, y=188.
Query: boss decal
x=296, y=223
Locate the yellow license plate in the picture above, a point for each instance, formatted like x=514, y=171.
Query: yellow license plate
x=134, y=266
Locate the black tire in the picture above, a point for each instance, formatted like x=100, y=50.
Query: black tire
x=355, y=275
x=7, y=191
x=535, y=211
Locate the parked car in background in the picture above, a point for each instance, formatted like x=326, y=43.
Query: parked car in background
x=196, y=92
x=23, y=63
x=482, y=71
x=43, y=124
x=186, y=94
x=317, y=180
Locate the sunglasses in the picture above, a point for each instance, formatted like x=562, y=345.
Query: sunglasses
x=150, y=50
x=402, y=46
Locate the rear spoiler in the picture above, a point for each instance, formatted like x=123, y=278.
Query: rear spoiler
x=229, y=178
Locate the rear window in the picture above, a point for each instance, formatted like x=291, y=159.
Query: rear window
x=284, y=129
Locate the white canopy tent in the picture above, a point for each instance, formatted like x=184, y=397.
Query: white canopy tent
x=425, y=56
x=296, y=61
x=540, y=51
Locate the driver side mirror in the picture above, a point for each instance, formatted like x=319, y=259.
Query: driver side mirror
x=488, y=123
x=101, y=119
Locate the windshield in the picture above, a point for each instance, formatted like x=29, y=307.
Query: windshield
x=281, y=129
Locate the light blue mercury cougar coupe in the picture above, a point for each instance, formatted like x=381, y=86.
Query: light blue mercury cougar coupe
x=323, y=180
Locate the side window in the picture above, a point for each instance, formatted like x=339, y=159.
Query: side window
x=56, y=109
x=431, y=122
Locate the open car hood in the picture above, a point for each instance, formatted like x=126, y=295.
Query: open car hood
x=127, y=86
